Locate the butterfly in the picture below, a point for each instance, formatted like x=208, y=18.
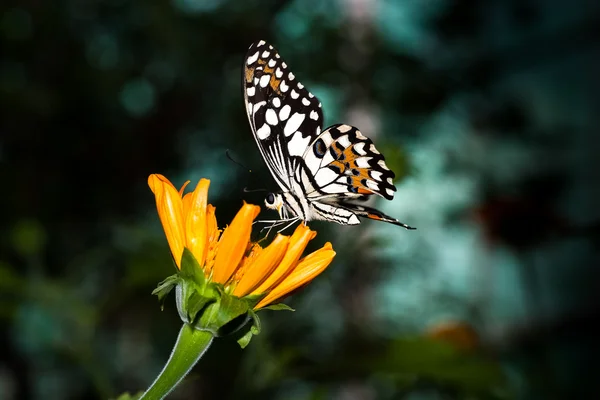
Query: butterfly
x=320, y=172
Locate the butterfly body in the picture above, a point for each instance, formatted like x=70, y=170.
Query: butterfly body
x=320, y=172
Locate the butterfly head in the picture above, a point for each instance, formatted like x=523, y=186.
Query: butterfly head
x=274, y=201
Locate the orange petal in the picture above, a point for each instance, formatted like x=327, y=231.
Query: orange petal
x=170, y=212
x=234, y=242
x=300, y=238
x=262, y=266
x=196, y=222
x=306, y=270
x=183, y=188
x=211, y=223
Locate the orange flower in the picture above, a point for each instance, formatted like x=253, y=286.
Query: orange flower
x=229, y=257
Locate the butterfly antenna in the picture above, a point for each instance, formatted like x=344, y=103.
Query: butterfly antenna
x=236, y=162
x=246, y=190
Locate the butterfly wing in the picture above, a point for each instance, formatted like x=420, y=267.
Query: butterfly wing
x=284, y=116
x=342, y=163
x=371, y=213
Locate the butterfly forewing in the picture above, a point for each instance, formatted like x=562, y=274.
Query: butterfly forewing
x=285, y=117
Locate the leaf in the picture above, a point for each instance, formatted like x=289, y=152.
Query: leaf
x=278, y=307
x=245, y=340
x=190, y=268
x=166, y=286
x=255, y=328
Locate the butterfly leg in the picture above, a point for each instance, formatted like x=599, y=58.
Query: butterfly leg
x=290, y=224
x=272, y=224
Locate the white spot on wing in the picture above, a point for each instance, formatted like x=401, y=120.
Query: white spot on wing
x=264, y=80
x=252, y=59
x=372, y=185
x=360, y=135
x=272, y=62
x=325, y=176
x=271, y=117
x=284, y=113
x=293, y=124
x=373, y=149
x=265, y=54
x=300, y=86
x=255, y=81
x=314, y=115
x=251, y=90
x=263, y=132
x=353, y=220
x=276, y=102
x=328, y=159
x=290, y=76
x=390, y=192
x=258, y=105
x=284, y=65
x=305, y=101
x=283, y=86
x=311, y=95
x=344, y=141
x=297, y=145
x=294, y=94
x=359, y=148
x=344, y=128
x=278, y=73
x=389, y=180
x=375, y=174
x=362, y=162
x=381, y=163
x=261, y=43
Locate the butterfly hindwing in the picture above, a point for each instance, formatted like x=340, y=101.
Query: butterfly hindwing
x=342, y=162
x=285, y=117
x=371, y=213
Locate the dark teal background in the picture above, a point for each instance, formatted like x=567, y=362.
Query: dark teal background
x=486, y=111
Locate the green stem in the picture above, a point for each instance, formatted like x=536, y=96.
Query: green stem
x=190, y=347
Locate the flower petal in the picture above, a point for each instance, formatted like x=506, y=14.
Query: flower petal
x=262, y=266
x=306, y=270
x=300, y=238
x=170, y=212
x=196, y=222
x=234, y=243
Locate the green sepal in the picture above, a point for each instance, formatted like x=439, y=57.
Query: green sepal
x=254, y=299
x=165, y=287
x=218, y=314
x=253, y=331
x=194, y=299
x=196, y=303
x=191, y=269
x=278, y=307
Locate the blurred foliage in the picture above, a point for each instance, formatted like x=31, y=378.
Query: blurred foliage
x=485, y=111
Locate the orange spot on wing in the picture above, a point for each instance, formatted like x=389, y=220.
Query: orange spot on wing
x=249, y=74
x=375, y=217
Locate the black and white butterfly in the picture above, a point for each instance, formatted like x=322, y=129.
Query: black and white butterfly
x=318, y=172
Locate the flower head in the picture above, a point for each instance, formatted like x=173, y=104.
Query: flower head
x=228, y=257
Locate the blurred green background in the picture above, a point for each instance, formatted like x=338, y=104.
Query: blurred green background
x=486, y=111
